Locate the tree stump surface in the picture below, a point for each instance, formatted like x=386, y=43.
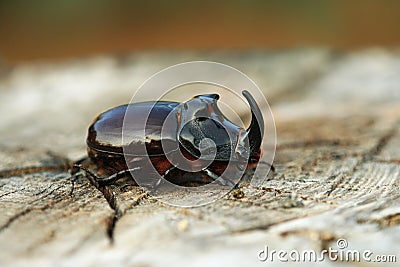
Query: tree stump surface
x=337, y=165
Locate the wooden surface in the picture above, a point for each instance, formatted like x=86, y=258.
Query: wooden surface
x=337, y=165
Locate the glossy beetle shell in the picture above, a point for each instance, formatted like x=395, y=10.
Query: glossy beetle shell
x=105, y=133
x=104, y=141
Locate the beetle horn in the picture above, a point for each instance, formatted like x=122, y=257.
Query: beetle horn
x=255, y=132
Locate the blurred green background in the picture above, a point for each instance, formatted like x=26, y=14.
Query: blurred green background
x=31, y=30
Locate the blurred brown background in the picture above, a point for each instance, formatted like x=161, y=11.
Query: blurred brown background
x=31, y=30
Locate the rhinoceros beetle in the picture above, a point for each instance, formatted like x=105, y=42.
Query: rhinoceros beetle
x=195, y=120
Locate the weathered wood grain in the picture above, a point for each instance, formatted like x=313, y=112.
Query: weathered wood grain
x=337, y=166
x=49, y=213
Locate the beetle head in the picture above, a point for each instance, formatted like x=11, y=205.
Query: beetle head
x=205, y=132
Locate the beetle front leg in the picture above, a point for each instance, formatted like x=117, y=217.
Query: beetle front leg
x=108, y=180
x=219, y=179
x=158, y=183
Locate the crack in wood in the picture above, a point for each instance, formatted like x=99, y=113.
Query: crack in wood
x=383, y=141
x=109, y=195
x=335, y=184
x=55, y=163
x=46, y=195
x=12, y=192
x=46, y=239
x=30, y=170
x=119, y=213
x=369, y=155
x=112, y=201
x=28, y=210
x=14, y=218
x=267, y=226
x=316, y=143
x=395, y=161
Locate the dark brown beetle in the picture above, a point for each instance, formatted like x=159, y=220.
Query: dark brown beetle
x=194, y=121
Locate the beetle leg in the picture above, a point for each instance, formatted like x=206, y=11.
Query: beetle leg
x=116, y=176
x=157, y=184
x=74, y=169
x=108, y=180
x=220, y=179
x=266, y=163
